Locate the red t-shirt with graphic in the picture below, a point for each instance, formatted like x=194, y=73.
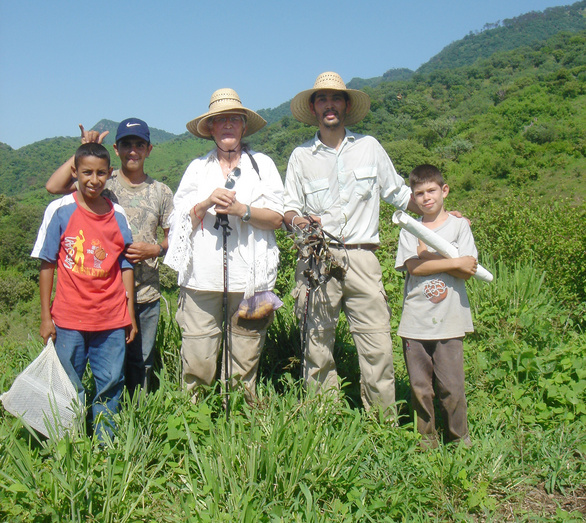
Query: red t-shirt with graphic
x=88, y=250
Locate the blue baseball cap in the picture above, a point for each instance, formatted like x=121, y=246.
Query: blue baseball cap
x=133, y=127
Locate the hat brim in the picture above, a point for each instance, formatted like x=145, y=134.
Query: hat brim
x=199, y=126
x=359, y=106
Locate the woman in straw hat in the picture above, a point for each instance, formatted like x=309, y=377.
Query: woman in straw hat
x=244, y=186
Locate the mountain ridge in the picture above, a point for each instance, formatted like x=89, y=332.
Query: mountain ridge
x=421, y=116
x=528, y=29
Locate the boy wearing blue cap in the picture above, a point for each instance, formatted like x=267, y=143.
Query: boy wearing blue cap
x=148, y=204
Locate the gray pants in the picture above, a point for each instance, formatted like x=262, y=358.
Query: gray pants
x=200, y=315
x=362, y=297
x=439, y=365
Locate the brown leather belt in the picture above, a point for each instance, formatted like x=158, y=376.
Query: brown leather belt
x=364, y=246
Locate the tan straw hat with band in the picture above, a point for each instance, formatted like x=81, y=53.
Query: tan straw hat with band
x=359, y=101
x=225, y=101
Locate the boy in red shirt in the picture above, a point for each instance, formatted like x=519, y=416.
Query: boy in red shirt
x=92, y=315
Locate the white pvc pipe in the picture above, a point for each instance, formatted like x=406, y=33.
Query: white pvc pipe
x=434, y=240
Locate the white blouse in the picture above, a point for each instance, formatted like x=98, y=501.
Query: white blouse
x=197, y=253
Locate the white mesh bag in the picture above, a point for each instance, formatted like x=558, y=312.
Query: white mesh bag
x=43, y=395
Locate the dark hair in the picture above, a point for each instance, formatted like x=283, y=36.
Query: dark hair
x=425, y=173
x=313, y=95
x=92, y=149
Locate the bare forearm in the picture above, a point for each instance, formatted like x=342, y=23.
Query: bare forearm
x=412, y=206
x=264, y=218
x=46, y=286
x=198, y=212
x=292, y=219
x=128, y=281
x=288, y=218
x=61, y=181
x=431, y=263
x=427, y=267
x=259, y=217
x=165, y=242
x=47, y=329
x=457, y=273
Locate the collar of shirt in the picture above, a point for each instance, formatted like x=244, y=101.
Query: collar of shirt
x=212, y=156
x=317, y=143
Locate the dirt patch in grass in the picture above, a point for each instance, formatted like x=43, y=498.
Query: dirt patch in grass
x=536, y=501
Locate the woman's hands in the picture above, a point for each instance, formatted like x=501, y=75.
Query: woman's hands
x=224, y=202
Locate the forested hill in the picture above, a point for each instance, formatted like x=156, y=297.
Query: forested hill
x=26, y=169
x=274, y=115
x=514, y=118
x=508, y=34
x=503, y=35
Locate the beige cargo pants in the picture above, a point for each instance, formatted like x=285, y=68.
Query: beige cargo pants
x=362, y=297
x=200, y=315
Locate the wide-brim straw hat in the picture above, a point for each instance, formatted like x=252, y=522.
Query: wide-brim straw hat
x=225, y=101
x=359, y=101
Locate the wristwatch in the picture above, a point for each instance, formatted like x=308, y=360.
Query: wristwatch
x=161, y=251
x=246, y=216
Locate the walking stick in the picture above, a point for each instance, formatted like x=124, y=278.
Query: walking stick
x=222, y=221
x=304, y=327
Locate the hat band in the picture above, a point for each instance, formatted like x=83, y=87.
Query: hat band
x=226, y=101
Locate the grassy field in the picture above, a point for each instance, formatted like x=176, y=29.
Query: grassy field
x=508, y=131
x=297, y=457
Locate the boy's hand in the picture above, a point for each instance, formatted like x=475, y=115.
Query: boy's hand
x=140, y=251
x=131, y=331
x=468, y=265
x=458, y=214
x=92, y=136
x=47, y=330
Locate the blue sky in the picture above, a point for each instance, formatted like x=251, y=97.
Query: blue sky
x=69, y=62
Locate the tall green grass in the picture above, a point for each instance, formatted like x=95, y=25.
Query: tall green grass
x=293, y=456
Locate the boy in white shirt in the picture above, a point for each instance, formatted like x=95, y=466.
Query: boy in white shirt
x=436, y=312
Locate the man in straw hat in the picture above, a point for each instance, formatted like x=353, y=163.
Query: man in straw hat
x=337, y=179
x=244, y=186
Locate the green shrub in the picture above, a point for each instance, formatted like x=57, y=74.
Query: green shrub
x=517, y=304
x=531, y=360
x=407, y=154
x=525, y=229
x=541, y=133
x=15, y=289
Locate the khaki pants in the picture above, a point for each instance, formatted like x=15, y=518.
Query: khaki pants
x=200, y=316
x=362, y=298
x=439, y=365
